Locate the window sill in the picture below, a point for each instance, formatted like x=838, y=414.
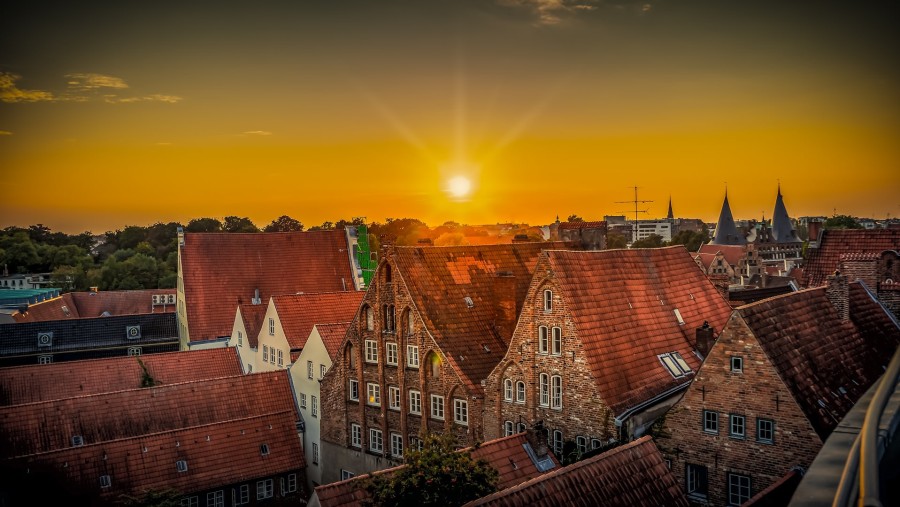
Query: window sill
x=711, y=433
x=737, y=437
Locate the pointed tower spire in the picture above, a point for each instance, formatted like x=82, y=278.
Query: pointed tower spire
x=726, y=232
x=670, y=216
x=782, y=229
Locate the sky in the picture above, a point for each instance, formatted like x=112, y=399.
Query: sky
x=130, y=113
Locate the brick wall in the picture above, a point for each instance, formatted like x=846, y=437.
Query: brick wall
x=757, y=392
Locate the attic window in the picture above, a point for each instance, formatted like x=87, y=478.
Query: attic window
x=469, y=302
x=681, y=362
x=181, y=465
x=674, y=364
x=264, y=450
x=105, y=481
x=678, y=316
x=77, y=441
x=548, y=300
x=65, y=310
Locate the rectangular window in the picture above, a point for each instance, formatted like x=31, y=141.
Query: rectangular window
x=371, y=351
x=556, y=391
x=765, y=430
x=416, y=443
x=135, y=351
x=415, y=402
x=240, y=339
x=390, y=349
x=105, y=481
x=373, y=394
x=543, y=340
x=265, y=353
x=396, y=445
x=280, y=358
x=393, y=398
x=375, y=441
x=696, y=481
x=737, y=364
x=461, y=412
x=544, y=390
x=314, y=407
x=45, y=359
x=738, y=489
x=557, y=442
x=265, y=489
x=412, y=356
x=737, y=426
x=271, y=326
x=710, y=421
x=309, y=369
x=215, y=499
x=322, y=371
x=581, y=444
x=437, y=406
x=302, y=400
x=241, y=495
x=556, y=344
x=292, y=480
x=354, y=390
x=191, y=501
x=315, y=453
x=507, y=428
x=347, y=474
x=355, y=435
x=548, y=300
x=507, y=390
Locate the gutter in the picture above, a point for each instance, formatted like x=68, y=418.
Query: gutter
x=624, y=416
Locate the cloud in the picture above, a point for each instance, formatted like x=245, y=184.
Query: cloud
x=256, y=133
x=9, y=92
x=5, y=133
x=89, y=81
x=168, y=99
x=549, y=12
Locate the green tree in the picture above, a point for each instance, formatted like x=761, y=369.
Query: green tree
x=437, y=475
x=690, y=239
x=284, y=223
x=450, y=239
x=239, y=224
x=574, y=218
x=842, y=222
x=651, y=241
x=616, y=240
x=204, y=225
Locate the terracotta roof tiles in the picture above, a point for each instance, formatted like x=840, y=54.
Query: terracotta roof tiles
x=634, y=474
x=582, y=225
x=824, y=260
x=73, y=305
x=223, y=270
x=332, y=335
x=623, y=304
x=732, y=253
x=253, y=316
x=298, y=313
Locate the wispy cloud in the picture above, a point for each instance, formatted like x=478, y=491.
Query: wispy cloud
x=5, y=133
x=256, y=133
x=80, y=87
x=550, y=12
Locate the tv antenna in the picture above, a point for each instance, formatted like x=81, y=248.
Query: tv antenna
x=636, y=202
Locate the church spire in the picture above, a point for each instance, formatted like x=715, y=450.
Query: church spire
x=782, y=229
x=726, y=231
x=670, y=216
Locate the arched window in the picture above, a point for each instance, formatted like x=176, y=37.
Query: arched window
x=520, y=392
x=370, y=317
x=434, y=365
x=545, y=390
x=387, y=321
x=520, y=427
x=387, y=272
x=508, y=390
x=349, y=356
x=407, y=322
x=548, y=300
x=507, y=428
x=556, y=391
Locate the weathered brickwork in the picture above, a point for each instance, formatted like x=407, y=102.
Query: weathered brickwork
x=433, y=376
x=582, y=412
x=757, y=392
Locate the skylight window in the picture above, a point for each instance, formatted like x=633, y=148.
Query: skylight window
x=678, y=316
x=77, y=441
x=264, y=449
x=681, y=362
x=674, y=364
x=181, y=465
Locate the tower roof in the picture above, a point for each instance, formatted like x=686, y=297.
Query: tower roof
x=726, y=232
x=782, y=230
x=670, y=216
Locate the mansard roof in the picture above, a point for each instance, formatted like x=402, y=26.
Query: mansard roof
x=624, y=304
x=726, y=231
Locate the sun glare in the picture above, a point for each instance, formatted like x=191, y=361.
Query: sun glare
x=459, y=187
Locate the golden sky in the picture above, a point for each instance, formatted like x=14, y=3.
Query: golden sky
x=119, y=113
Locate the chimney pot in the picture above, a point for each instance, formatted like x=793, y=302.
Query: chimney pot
x=838, y=292
x=705, y=339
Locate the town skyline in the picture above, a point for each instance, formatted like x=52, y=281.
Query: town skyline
x=469, y=111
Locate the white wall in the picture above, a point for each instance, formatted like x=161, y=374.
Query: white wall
x=316, y=353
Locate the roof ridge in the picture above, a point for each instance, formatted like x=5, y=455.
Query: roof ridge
x=750, y=306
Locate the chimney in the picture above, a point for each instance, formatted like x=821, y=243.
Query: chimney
x=705, y=339
x=537, y=438
x=505, y=304
x=838, y=292
x=813, y=229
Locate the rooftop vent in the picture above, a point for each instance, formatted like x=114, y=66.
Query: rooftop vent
x=678, y=316
x=133, y=332
x=45, y=339
x=65, y=310
x=469, y=302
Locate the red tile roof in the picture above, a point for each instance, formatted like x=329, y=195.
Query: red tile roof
x=27, y=384
x=49, y=426
x=218, y=454
x=298, y=313
x=825, y=362
x=222, y=270
x=582, y=225
x=705, y=258
x=732, y=253
x=253, y=316
x=634, y=474
x=440, y=278
x=623, y=304
x=332, y=335
x=824, y=260
x=507, y=455
x=75, y=305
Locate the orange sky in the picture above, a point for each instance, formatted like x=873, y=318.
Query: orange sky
x=130, y=114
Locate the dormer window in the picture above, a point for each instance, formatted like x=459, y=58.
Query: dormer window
x=105, y=481
x=181, y=465
x=77, y=441
x=548, y=300
x=264, y=450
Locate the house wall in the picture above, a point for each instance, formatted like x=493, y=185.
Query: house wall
x=246, y=353
x=583, y=411
x=274, y=340
x=181, y=309
x=757, y=392
x=307, y=387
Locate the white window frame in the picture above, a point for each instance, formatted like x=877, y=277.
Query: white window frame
x=135, y=351
x=354, y=390
x=412, y=356
x=396, y=445
x=271, y=326
x=372, y=351
x=461, y=411
x=373, y=394
x=240, y=339
x=265, y=353
x=543, y=340
x=265, y=489
x=315, y=453
x=393, y=397
x=215, y=498
x=280, y=358
x=309, y=370
x=737, y=364
x=548, y=300
x=415, y=402
x=322, y=371
x=390, y=352
x=376, y=440
x=544, y=383
x=240, y=495
x=520, y=392
x=507, y=389
x=302, y=400
x=355, y=435
x=437, y=407
x=190, y=501
x=508, y=428
x=314, y=406
x=292, y=482
x=556, y=401
x=347, y=474
x=45, y=359
x=556, y=341
x=581, y=443
x=557, y=443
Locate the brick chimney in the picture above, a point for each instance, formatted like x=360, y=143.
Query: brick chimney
x=838, y=292
x=813, y=228
x=705, y=339
x=537, y=437
x=505, y=304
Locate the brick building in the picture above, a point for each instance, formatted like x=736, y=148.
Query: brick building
x=433, y=324
x=781, y=375
x=603, y=345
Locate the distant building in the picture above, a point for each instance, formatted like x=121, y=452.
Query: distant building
x=79, y=305
x=773, y=386
x=647, y=228
x=726, y=232
x=29, y=281
x=11, y=301
x=589, y=235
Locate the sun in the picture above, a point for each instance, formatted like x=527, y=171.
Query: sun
x=459, y=187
